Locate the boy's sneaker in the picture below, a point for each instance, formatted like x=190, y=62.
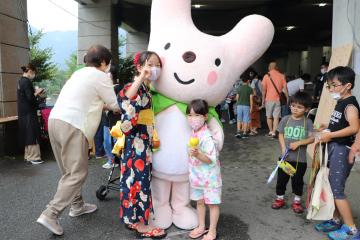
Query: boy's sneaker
x=278, y=203
x=233, y=121
x=327, y=226
x=109, y=165
x=238, y=135
x=36, y=162
x=245, y=135
x=223, y=120
x=356, y=236
x=296, y=207
x=344, y=233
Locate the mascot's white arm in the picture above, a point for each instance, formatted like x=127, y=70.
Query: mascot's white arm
x=217, y=132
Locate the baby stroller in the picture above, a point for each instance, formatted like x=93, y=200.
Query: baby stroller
x=113, y=180
x=43, y=120
x=43, y=116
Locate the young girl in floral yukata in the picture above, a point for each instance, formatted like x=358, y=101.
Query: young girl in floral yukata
x=204, y=169
x=135, y=193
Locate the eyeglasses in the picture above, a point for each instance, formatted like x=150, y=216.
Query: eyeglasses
x=328, y=87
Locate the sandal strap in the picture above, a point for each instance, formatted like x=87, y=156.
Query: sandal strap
x=133, y=226
x=152, y=233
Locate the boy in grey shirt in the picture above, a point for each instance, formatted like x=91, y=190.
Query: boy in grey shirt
x=295, y=133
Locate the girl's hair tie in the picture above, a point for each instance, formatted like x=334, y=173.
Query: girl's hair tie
x=136, y=58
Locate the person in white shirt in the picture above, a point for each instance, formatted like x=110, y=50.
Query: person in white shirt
x=72, y=125
x=297, y=84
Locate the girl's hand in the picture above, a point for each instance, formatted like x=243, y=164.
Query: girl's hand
x=194, y=152
x=293, y=146
x=145, y=72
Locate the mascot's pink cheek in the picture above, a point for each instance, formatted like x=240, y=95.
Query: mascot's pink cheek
x=162, y=61
x=212, y=78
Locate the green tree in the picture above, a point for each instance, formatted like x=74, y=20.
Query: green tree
x=71, y=65
x=41, y=58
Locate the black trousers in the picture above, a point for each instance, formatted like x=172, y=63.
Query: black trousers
x=231, y=110
x=297, y=181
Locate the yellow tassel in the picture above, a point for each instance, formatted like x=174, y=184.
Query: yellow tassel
x=116, y=130
x=117, y=133
x=155, y=140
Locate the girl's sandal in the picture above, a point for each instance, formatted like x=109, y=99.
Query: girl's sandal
x=132, y=227
x=156, y=233
x=196, y=233
x=208, y=237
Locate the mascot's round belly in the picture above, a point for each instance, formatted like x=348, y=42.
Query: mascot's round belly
x=174, y=133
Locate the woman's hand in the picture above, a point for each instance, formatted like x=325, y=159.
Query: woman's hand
x=38, y=91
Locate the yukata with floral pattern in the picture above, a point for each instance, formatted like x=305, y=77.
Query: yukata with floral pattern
x=205, y=178
x=135, y=192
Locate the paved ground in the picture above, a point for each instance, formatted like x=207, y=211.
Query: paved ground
x=245, y=213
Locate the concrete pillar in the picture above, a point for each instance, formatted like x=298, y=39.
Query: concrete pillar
x=314, y=60
x=281, y=64
x=293, y=63
x=346, y=29
x=136, y=42
x=98, y=25
x=14, y=52
x=304, y=58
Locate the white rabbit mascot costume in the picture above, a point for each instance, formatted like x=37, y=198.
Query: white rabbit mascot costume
x=195, y=65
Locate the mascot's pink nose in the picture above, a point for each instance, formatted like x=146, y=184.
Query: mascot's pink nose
x=189, y=57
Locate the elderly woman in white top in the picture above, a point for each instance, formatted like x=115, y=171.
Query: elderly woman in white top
x=72, y=125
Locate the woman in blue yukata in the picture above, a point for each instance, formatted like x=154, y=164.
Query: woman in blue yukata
x=137, y=123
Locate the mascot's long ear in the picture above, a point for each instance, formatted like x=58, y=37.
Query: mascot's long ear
x=170, y=14
x=249, y=39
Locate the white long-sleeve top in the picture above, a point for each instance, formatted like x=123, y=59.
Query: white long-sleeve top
x=82, y=99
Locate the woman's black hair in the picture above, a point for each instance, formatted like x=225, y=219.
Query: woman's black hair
x=28, y=67
x=96, y=55
x=199, y=106
x=145, y=56
x=114, y=73
x=343, y=74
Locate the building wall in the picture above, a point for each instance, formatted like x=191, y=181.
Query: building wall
x=97, y=25
x=136, y=42
x=344, y=33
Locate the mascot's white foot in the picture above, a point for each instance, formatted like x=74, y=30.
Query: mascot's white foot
x=184, y=216
x=162, y=216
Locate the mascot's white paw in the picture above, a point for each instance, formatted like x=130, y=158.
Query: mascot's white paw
x=162, y=217
x=185, y=218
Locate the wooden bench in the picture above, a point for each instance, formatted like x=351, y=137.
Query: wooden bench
x=8, y=119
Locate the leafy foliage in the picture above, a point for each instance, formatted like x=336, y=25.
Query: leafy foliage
x=41, y=58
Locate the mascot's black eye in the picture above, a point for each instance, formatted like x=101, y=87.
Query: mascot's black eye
x=217, y=62
x=167, y=46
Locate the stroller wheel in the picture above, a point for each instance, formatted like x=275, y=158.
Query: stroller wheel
x=102, y=192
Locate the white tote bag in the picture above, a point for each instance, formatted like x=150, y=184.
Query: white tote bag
x=322, y=205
